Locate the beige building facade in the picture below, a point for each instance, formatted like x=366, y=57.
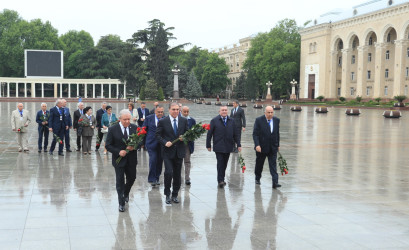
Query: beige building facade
x=362, y=52
x=235, y=56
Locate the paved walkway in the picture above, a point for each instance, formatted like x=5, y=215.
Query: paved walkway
x=347, y=189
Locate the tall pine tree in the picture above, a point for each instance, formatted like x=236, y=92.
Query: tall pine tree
x=193, y=89
x=160, y=58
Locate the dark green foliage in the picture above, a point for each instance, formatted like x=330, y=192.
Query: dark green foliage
x=342, y=99
x=142, y=93
x=151, y=90
x=320, y=98
x=193, y=89
x=239, y=89
x=161, y=96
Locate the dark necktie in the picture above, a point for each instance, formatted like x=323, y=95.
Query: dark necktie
x=234, y=112
x=175, y=127
x=225, y=121
x=125, y=134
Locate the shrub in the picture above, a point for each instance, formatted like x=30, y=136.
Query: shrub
x=378, y=99
x=400, y=98
x=161, y=96
x=358, y=99
x=342, y=99
x=320, y=98
x=142, y=94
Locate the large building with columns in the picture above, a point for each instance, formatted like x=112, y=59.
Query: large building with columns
x=70, y=88
x=362, y=51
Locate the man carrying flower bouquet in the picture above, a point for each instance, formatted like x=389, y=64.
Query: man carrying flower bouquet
x=56, y=125
x=190, y=147
x=20, y=118
x=115, y=143
x=42, y=120
x=266, y=137
x=170, y=128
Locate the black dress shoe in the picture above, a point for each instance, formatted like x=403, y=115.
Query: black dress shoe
x=157, y=183
x=258, y=182
x=175, y=200
x=61, y=154
x=221, y=184
x=51, y=153
x=126, y=198
x=39, y=151
x=45, y=151
x=153, y=184
x=188, y=183
x=68, y=150
x=168, y=201
x=78, y=149
x=276, y=186
x=121, y=208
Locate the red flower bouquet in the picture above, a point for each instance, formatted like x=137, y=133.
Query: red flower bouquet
x=193, y=133
x=133, y=140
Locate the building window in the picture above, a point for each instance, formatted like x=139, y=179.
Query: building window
x=369, y=57
x=339, y=91
x=237, y=64
x=407, y=71
x=340, y=61
x=369, y=75
x=352, y=91
x=387, y=55
x=353, y=59
x=388, y=38
x=406, y=90
x=386, y=73
x=407, y=52
x=370, y=42
x=368, y=91
x=352, y=76
x=386, y=90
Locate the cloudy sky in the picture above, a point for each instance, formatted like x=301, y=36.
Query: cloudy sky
x=208, y=23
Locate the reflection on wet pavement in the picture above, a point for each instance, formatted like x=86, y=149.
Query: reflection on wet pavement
x=347, y=189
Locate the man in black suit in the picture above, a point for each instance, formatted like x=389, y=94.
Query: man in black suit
x=266, y=136
x=68, y=122
x=127, y=166
x=169, y=129
x=42, y=120
x=77, y=115
x=57, y=126
x=100, y=135
x=143, y=112
x=237, y=114
x=225, y=134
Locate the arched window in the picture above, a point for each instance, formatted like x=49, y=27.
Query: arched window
x=388, y=38
x=387, y=55
x=370, y=42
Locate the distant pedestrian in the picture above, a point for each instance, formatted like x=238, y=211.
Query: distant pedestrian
x=20, y=119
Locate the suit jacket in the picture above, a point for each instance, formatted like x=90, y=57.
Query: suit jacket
x=86, y=129
x=100, y=112
x=77, y=116
x=165, y=133
x=105, y=120
x=115, y=144
x=39, y=115
x=262, y=136
x=224, y=137
x=56, y=122
x=67, y=117
x=150, y=139
x=134, y=114
x=190, y=123
x=239, y=117
x=18, y=122
x=140, y=115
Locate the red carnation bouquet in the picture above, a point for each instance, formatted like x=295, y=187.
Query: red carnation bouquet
x=282, y=163
x=133, y=141
x=20, y=129
x=242, y=164
x=193, y=133
x=83, y=123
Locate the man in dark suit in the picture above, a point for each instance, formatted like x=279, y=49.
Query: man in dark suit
x=225, y=134
x=127, y=166
x=169, y=129
x=143, y=112
x=153, y=147
x=190, y=147
x=155, y=105
x=237, y=114
x=57, y=126
x=100, y=135
x=266, y=136
x=77, y=115
x=68, y=122
x=42, y=120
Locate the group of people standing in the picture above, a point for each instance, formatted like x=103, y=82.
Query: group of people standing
x=162, y=133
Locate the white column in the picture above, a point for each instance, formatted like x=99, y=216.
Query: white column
x=8, y=89
x=16, y=89
x=33, y=89
x=42, y=90
x=109, y=91
x=85, y=90
x=332, y=90
x=93, y=90
x=78, y=89
x=25, y=89
x=102, y=90
x=69, y=90
x=361, y=74
x=345, y=71
x=124, y=90
x=60, y=90
x=117, y=89
x=399, y=74
x=379, y=69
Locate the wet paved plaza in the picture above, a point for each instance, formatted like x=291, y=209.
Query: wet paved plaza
x=347, y=188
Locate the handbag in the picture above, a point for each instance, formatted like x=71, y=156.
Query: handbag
x=104, y=130
x=79, y=131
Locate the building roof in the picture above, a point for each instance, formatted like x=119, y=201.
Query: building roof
x=357, y=10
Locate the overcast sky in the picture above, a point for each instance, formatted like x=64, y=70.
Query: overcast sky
x=208, y=23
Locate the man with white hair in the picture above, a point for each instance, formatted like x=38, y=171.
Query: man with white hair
x=42, y=121
x=126, y=167
x=20, y=118
x=56, y=125
x=77, y=114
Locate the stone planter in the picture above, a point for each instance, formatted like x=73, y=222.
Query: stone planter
x=322, y=110
x=296, y=108
x=392, y=114
x=243, y=105
x=399, y=104
x=199, y=102
x=353, y=111
x=218, y=103
x=208, y=103
x=258, y=106
x=229, y=104
x=276, y=107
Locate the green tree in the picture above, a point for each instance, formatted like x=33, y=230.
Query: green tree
x=275, y=57
x=239, y=89
x=151, y=89
x=142, y=93
x=214, y=78
x=193, y=89
x=134, y=71
x=161, y=96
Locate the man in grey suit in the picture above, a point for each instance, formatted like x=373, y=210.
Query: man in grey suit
x=169, y=129
x=237, y=114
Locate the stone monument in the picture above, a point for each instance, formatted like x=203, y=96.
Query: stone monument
x=175, y=71
x=269, y=97
x=293, y=96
